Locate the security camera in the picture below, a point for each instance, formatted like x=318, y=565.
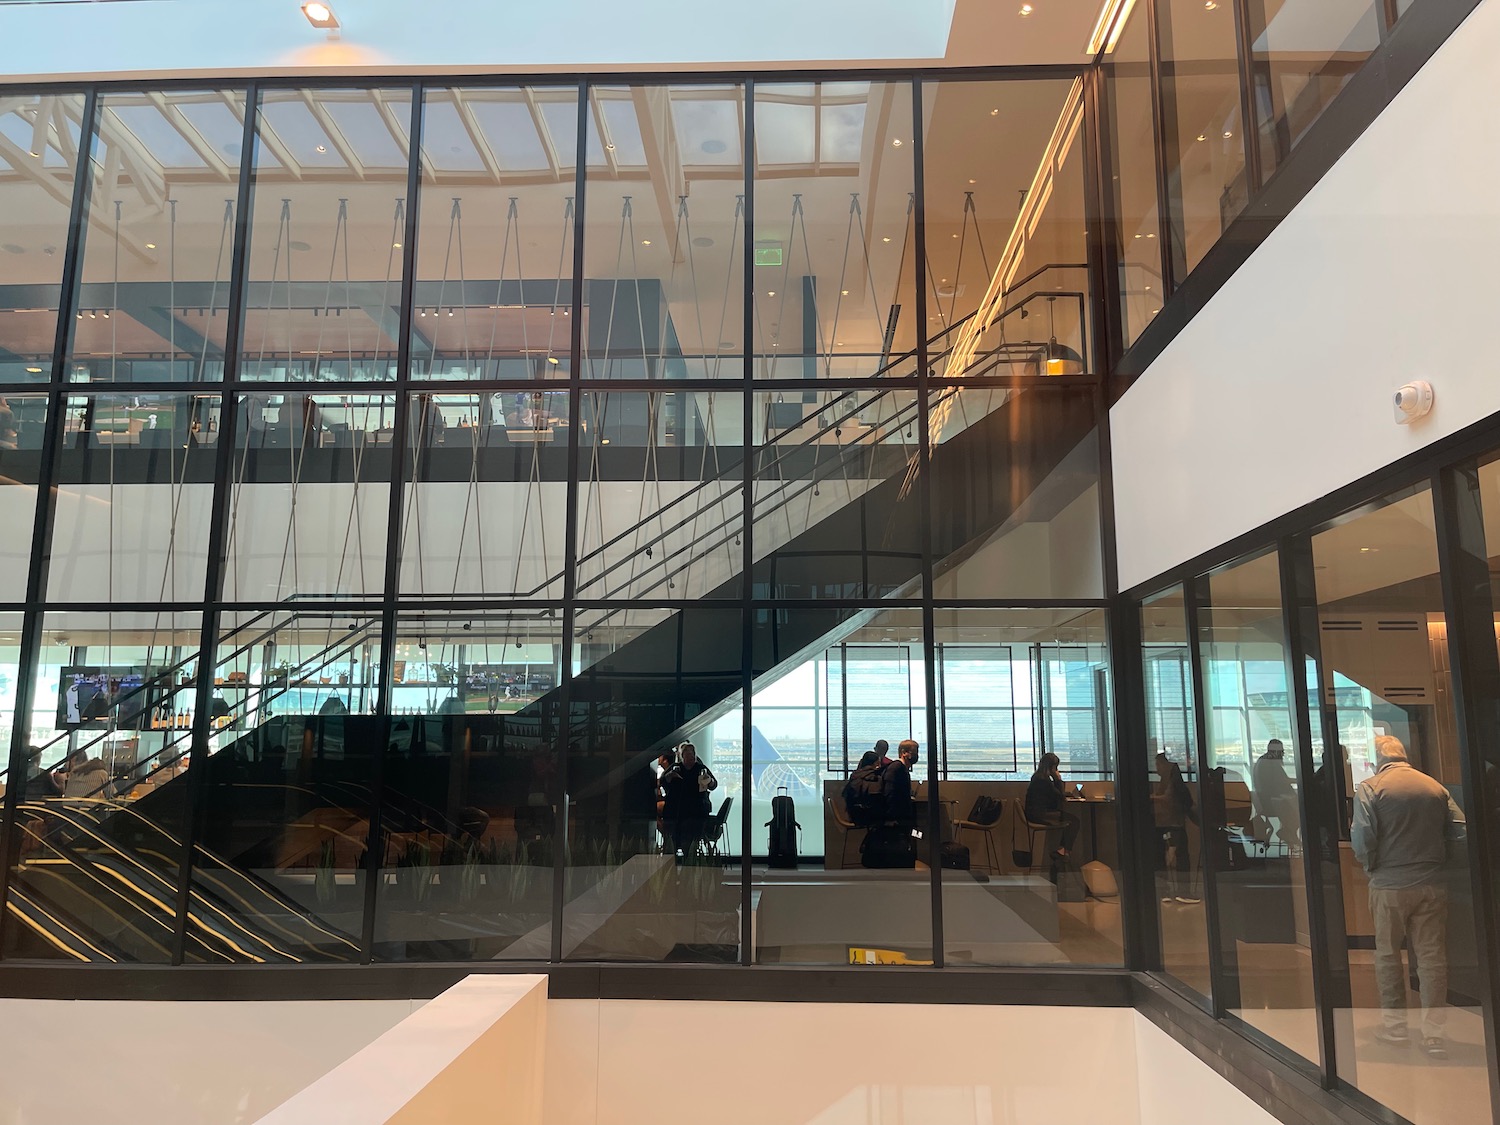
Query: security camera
x=1413, y=401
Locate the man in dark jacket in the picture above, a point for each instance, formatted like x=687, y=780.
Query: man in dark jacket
x=686, y=803
x=895, y=785
x=1403, y=824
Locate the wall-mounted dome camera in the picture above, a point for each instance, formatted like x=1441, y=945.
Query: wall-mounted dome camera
x=1413, y=401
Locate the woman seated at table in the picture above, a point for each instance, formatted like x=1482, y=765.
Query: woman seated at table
x=1044, y=804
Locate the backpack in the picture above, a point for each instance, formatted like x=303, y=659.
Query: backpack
x=864, y=797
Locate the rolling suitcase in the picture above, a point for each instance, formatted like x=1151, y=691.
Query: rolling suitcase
x=955, y=856
x=782, y=847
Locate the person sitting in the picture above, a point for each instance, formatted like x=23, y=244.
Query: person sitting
x=1273, y=794
x=686, y=804
x=86, y=777
x=1044, y=804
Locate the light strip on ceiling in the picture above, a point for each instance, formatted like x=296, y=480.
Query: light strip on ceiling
x=1113, y=17
x=1037, y=196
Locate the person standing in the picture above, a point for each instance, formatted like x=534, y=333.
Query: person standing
x=1172, y=807
x=1403, y=824
x=895, y=785
x=686, y=803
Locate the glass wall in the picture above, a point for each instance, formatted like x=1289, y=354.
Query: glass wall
x=425, y=533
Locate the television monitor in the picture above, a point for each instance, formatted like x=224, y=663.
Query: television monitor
x=88, y=693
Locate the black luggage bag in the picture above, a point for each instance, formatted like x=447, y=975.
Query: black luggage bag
x=782, y=847
x=955, y=856
x=889, y=845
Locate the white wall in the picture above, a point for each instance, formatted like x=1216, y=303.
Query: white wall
x=1279, y=391
x=63, y=1062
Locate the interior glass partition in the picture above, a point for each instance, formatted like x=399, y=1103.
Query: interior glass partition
x=1410, y=1035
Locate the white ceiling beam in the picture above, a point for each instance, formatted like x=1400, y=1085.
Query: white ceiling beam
x=539, y=122
x=266, y=135
x=335, y=137
x=476, y=134
x=195, y=139
x=62, y=193
x=653, y=110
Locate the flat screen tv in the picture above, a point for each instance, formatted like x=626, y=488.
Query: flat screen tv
x=88, y=693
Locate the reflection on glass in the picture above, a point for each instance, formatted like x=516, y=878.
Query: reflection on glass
x=1036, y=535
x=495, y=234
x=1250, y=806
x=135, y=485
x=310, y=495
x=469, y=803
x=286, y=795
x=664, y=236
x=836, y=503
x=324, y=281
x=154, y=293
x=23, y=418
x=661, y=495
x=102, y=808
x=1412, y=1037
x=1132, y=145
x=486, y=482
x=1176, y=795
x=828, y=684
x=651, y=788
x=1205, y=136
x=982, y=139
x=1018, y=689
x=1305, y=51
x=835, y=255
x=39, y=136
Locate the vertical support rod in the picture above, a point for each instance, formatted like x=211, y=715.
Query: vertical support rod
x=400, y=440
x=747, y=545
x=924, y=507
x=564, y=727
x=33, y=618
x=1223, y=992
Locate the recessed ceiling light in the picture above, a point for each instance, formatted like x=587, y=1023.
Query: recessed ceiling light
x=1227, y=134
x=1202, y=137
x=896, y=143
x=1210, y=5
x=844, y=292
x=321, y=148
x=953, y=236
x=887, y=238
x=1148, y=289
x=33, y=370
x=770, y=292
x=1138, y=236
x=994, y=113
x=1151, y=236
x=395, y=246
x=150, y=246
x=973, y=181
x=645, y=242
x=1026, y=9
x=609, y=148
x=320, y=15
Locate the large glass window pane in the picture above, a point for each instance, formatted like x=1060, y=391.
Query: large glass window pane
x=835, y=254
x=485, y=494
x=649, y=872
x=1304, y=51
x=1132, y=149
x=1205, y=136
x=102, y=811
x=135, y=489
x=661, y=495
x=38, y=159
x=985, y=145
x=1176, y=793
x=664, y=245
x=495, y=234
x=836, y=512
x=153, y=298
x=311, y=487
x=1385, y=833
x=286, y=796
x=828, y=684
x=1015, y=686
x=468, y=805
x=1250, y=806
x=326, y=223
x=1015, y=493
x=23, y=420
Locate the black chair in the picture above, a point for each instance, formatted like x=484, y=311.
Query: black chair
x=716, y=830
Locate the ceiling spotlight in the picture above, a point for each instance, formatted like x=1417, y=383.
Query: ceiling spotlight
x=552, y=359
x=887, y=238
x=1210, y=5
x=770, y=292
x=1202, y=136
x=150, y=246
x=844, y=292
x=896, y=143
x=1026, y=9
x=973, y=181
x=320, y=15
x=321, y=148
x=994, y=113
x=645, y=242
x=1148, y=289
x=609, y=148
x=395, y=246
x=1227, y=134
